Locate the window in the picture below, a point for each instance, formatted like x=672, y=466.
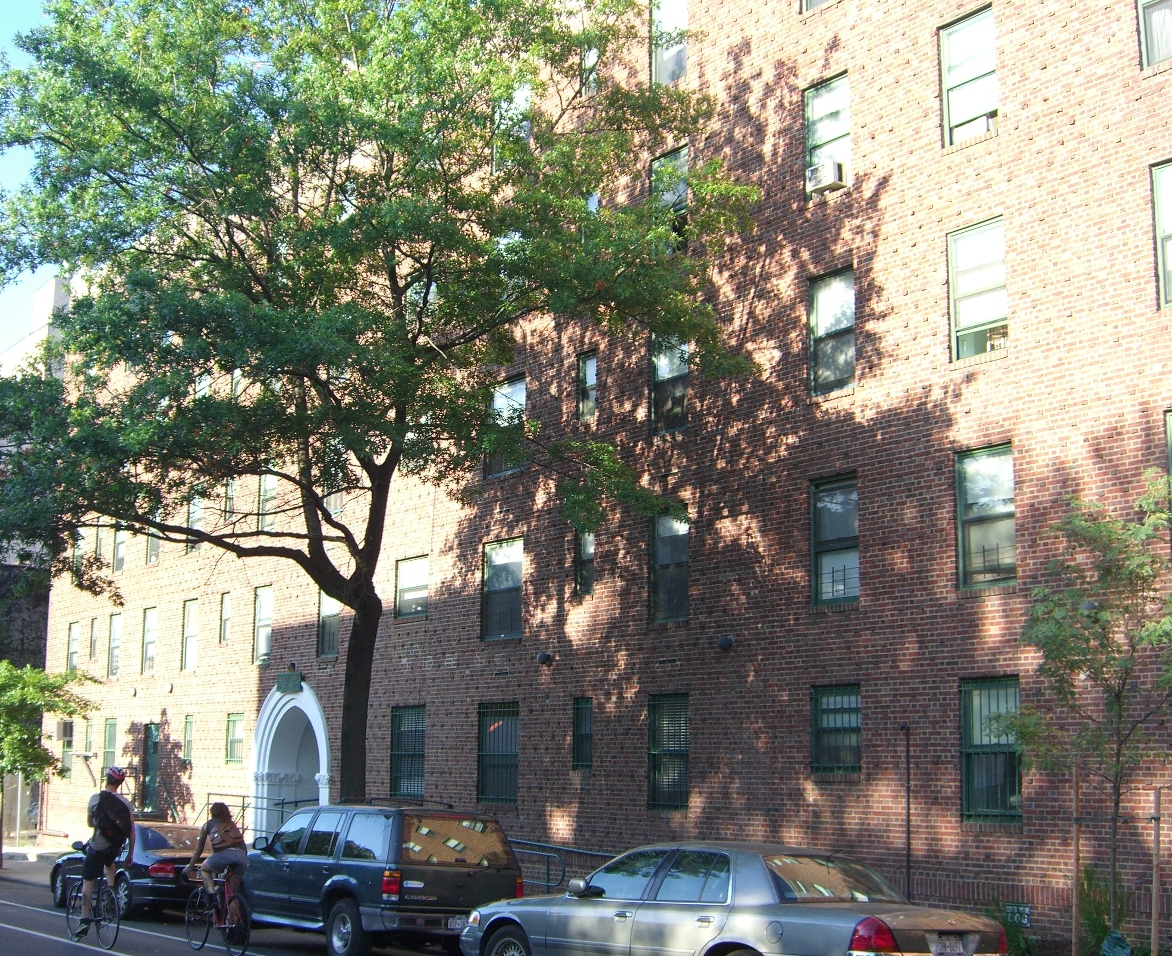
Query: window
x=110, y=745
x=991, y=765
x=368, y=837
x=152, y=548
x=262, y=624
x=266, y=501
x=190, y=634
x=667, y=753
x=324, y=836
x=225, y=617
x=188, y=737
x=194, y=521
x=99, y=540
x=627, y=877
x=836, y=541
x=288, y=838
x=334, y=502
x=234, y=748
x=1155, y=26
x=835, y=716
x=828, y=126
x=203, y=382
x=508, y=411
x=808, y=5
x=115, y=645
x=976, y=285
x=587, y=386
x=584, y=564
x=150, y=630
x=1162, y=193
x=496, y=759
x=832, y=332
x=696, y=876
x=66, y=728
x=119, y=558
x=237, y=382
x=89, y=736
x=94, y=639
x=328, y=612
x=669, y=569
x=669, y=45
x=582, y=750
x=968, y=66
x=669, y=183
x=669, y=364
x=229, y=499
x=984, y=481
x=500, y=614
x=71, y=650
x=411, y=578
x=589, y=71
x=407, y=737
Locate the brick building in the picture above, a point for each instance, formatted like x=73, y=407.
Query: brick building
x=958, y=291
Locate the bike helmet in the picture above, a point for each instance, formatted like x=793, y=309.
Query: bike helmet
x=115, y=774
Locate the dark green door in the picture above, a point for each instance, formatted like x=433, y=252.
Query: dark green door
x=149, y=795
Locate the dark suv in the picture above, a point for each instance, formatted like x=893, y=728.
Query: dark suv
x=365, y=873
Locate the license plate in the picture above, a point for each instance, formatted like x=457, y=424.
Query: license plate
x=948, y=946
x=459, y=922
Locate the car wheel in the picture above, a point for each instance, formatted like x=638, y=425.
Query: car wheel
x=125, y=896
x=509, y=941
x=58, y=885
x=344, y=933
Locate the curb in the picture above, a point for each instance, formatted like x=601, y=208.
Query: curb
x=31, y=855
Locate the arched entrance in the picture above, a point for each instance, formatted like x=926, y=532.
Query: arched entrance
x=291, y=754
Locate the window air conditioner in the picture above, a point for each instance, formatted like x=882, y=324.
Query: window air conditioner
x=824, y=177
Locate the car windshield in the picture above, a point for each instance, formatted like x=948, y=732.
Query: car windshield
x=830, y=879
x=169, y=838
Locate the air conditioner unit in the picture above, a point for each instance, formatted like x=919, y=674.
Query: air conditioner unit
x=824, y=177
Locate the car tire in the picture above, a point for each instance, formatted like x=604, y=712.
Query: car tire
x=508, y=941
x=124, y=894
x=344, y=933
x=60, y=887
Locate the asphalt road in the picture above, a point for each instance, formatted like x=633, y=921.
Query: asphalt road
x=31, y=926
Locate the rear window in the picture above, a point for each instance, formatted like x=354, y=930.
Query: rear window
x=169, y=838
x=454, y=841
x=810, y=879
x=368, y=838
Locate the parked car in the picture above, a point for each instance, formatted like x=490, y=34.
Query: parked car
x=740, y=899
x=152, y=880
x=361, y=874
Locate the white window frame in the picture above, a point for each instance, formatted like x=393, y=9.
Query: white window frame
x=979, y=81
x=971, y=281
x=1162, y=27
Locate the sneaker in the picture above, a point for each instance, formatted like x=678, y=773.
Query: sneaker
x=82, y=930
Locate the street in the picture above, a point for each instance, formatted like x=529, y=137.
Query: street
x=29, y=924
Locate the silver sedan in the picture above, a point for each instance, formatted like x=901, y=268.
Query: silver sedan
x=726, y=899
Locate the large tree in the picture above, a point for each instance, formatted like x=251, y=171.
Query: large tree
x=306, y=233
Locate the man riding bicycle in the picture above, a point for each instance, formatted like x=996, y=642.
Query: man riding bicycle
x=112, y=817
x=228, y=846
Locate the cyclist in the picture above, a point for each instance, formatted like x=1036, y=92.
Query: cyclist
x=112, y=817
x=228, y=846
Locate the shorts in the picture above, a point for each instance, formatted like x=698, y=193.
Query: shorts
x=222, y=859
x=97, y=860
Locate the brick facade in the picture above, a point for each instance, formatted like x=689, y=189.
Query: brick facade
x=1079, y=393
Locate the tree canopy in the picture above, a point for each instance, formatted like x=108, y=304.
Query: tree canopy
x=303, y=236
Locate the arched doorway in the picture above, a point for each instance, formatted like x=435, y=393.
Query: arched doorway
x=291, y=754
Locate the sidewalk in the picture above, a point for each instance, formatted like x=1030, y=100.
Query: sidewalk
x=47, y=849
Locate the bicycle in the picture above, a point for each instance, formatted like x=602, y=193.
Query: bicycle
x=105, y=914
x=225, y=909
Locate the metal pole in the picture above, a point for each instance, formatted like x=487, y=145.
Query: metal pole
x=1155, y=872
x=907, y=809
x=1074, y=914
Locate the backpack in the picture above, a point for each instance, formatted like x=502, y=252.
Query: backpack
x=225, y=833
x=112, y=818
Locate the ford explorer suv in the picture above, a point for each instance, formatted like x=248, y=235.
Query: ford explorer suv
x=367, y=874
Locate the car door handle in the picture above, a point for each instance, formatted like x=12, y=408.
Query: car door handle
x=325, y=869
x=285, y=865
x=623, y=914
x=705, y=920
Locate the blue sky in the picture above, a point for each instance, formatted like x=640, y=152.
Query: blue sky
x=17, y=16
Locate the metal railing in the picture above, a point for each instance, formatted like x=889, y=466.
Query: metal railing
x=240, y=804
x=549, y=860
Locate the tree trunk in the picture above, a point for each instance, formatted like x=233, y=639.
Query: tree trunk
x=356, y=698
x=1113, y=864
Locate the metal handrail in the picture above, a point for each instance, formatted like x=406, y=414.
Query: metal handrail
x=552, y=856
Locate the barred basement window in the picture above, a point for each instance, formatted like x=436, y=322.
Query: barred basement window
x=328, y=613
x=667, y=752
x=669, y=569
x=976, y=290
x=669, y=45
x=496, y=759
x=234, y=747
x=991, y=766
x=150, y=632
x=968, y=64
x=836, y=541
x=835, y=716
x=500, y=614
x=407, y=752
x=582, y=750
x=985, y=509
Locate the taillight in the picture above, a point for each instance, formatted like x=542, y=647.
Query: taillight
x=392, y=884
x=1002, y=943
x=520, y=890
x=872, y=935
x=165, y=868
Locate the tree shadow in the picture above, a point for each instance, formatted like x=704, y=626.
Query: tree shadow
x=157, y=772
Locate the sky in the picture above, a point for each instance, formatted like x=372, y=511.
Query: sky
x=16, y=318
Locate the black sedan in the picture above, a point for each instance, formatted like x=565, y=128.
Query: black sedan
x=152, y=880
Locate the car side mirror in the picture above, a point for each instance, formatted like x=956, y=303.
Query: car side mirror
x=261, y=843
x=78, y=845
x=580, y=888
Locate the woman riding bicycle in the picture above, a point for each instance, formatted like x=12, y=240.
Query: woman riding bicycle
x=228, y=846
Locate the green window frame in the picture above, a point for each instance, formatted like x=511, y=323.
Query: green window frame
x=109, y=744
x=990, y=762
x=835, y=531
x=986, y=522
x=968, y=77
x=1155, y=30
x=188, y=737
x=827, y=108
x=229, y=499
x=508, y=412
x=89, y=736
x=832, y=332
x=150, y=635
x=667, y=752
x=582, y=746
x=1162, y=203
x=66, y=732
x=408, y=751
x=808, y=5
x=496, y=756
x=977, y=296
x=71, y=647
x=669, y=43
x=835, y=725
x=190, y=635
x=587, y=386
x=262, y=624
x=584, y=562
x=669, y=384
x=412, y=579
x=670, y=568
x=501, y=611
x=114, y=647
x=329, y=612
x=234, y=740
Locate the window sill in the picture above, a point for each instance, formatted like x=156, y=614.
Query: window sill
x=409, y=618
x=978, y=591
x=847, y=777
x=821, y=10
x=838, y=395
x=827, y=197
x=982, y=359
x=326, y=659
x=505, y=473
x=971, y=141
x=991, y=824
x=500, y=639
x=838, y=607
x=1162, y=67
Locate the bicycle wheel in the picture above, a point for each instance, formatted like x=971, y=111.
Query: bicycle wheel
x=73, y=909
x=107, y=917
x=197, y=918
x=237, y=927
